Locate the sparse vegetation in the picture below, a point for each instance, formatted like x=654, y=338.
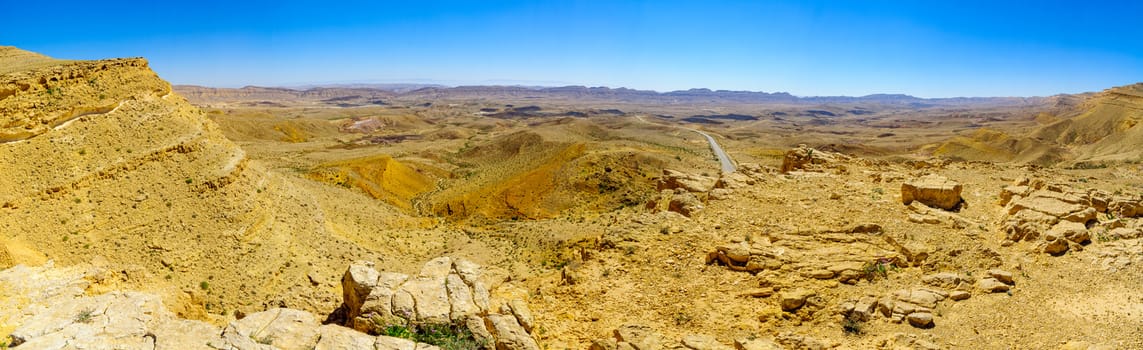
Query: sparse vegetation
x=876, y=193
x=852, y=326
x=446, y=336
x=84, y=316
x=878, y=268
x=682, y=318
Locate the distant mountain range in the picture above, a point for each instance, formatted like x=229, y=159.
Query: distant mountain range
x=579, y=93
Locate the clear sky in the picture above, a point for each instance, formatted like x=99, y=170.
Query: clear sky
x=923, y=48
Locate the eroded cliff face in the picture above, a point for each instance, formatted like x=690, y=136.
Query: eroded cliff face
x=102, y=161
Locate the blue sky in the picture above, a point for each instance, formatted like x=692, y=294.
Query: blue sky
x=922, y=48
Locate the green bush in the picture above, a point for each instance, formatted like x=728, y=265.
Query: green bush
x=447, y=336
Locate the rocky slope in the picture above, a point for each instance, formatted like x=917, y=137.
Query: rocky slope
x=63, y=308
x=102, y=160
x=1086, y=130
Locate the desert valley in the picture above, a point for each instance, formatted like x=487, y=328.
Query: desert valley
x=140, y=215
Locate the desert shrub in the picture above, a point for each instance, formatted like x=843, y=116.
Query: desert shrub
x=879, y=267
x=447, y=336
x=852, y=326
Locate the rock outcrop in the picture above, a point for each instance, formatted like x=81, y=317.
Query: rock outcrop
x=49, y=308
x=813, y=254
x=101, y=159
x=914, y=306
x=446, y=291
x=634, y=336
x=932, y=190
x=806, y=158
x=674, y=179
x=1058, y=218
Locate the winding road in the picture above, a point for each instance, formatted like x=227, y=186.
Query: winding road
x=723, y=159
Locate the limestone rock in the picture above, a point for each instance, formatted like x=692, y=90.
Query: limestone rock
x=509, y=334
x=734, y=181
x=285, y=329
x=356, y=285
x=806, y=158
x=460, y=298
x=959, y=295
x=436, y=269
x=920, y=319
x=673, y=179
x=864, y=308
x=334, y=337
x=703, y=342
x=1054, y=245
x=1002, y=276
x=393, y=343
x=522, y=313
x=686, y=204
x=756, y=344
x=1071, y=230
x=932, y=190
x=991, y=285
x=793, y=300
x=945, y=279
x=604, y=344
x=480, y=331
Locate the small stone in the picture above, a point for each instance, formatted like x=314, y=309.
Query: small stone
x=738, y=253
x=703, y=342
x=792, y=300
x=756, y=344
x=757, y=293
x=1002, y=276
x=991, y=285
x=1055, y=245
x=959, y=295
x=920, y=319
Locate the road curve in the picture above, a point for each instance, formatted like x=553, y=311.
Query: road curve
x=724, y=160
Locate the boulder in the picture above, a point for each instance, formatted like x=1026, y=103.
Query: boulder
x=673, y=179
x=756, y=344
x=945, y=279
x=794, y=299
x=920, y=319
x=641, y=337
x=932, y=190
x=806, y=158
x=1071, y=230
x=459, y=298
x=734, y=181
x=1002, y=276
x=685, y=203
x=523, y=314
x=285, y=329
x=393, y=343
x=334, y=337
x=991, y=285
x=864, y=308
x=703, y=342
x=356, y=285
x=1054, y=245
x=509, y=334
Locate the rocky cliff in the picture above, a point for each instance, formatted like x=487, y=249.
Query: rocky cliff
x=101, y=160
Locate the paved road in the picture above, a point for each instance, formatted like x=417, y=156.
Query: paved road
x=723, y=159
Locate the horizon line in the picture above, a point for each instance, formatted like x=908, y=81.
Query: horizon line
x=429, y=83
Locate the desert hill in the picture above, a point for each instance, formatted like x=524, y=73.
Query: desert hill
x=1078, y=130
x=101, y=159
